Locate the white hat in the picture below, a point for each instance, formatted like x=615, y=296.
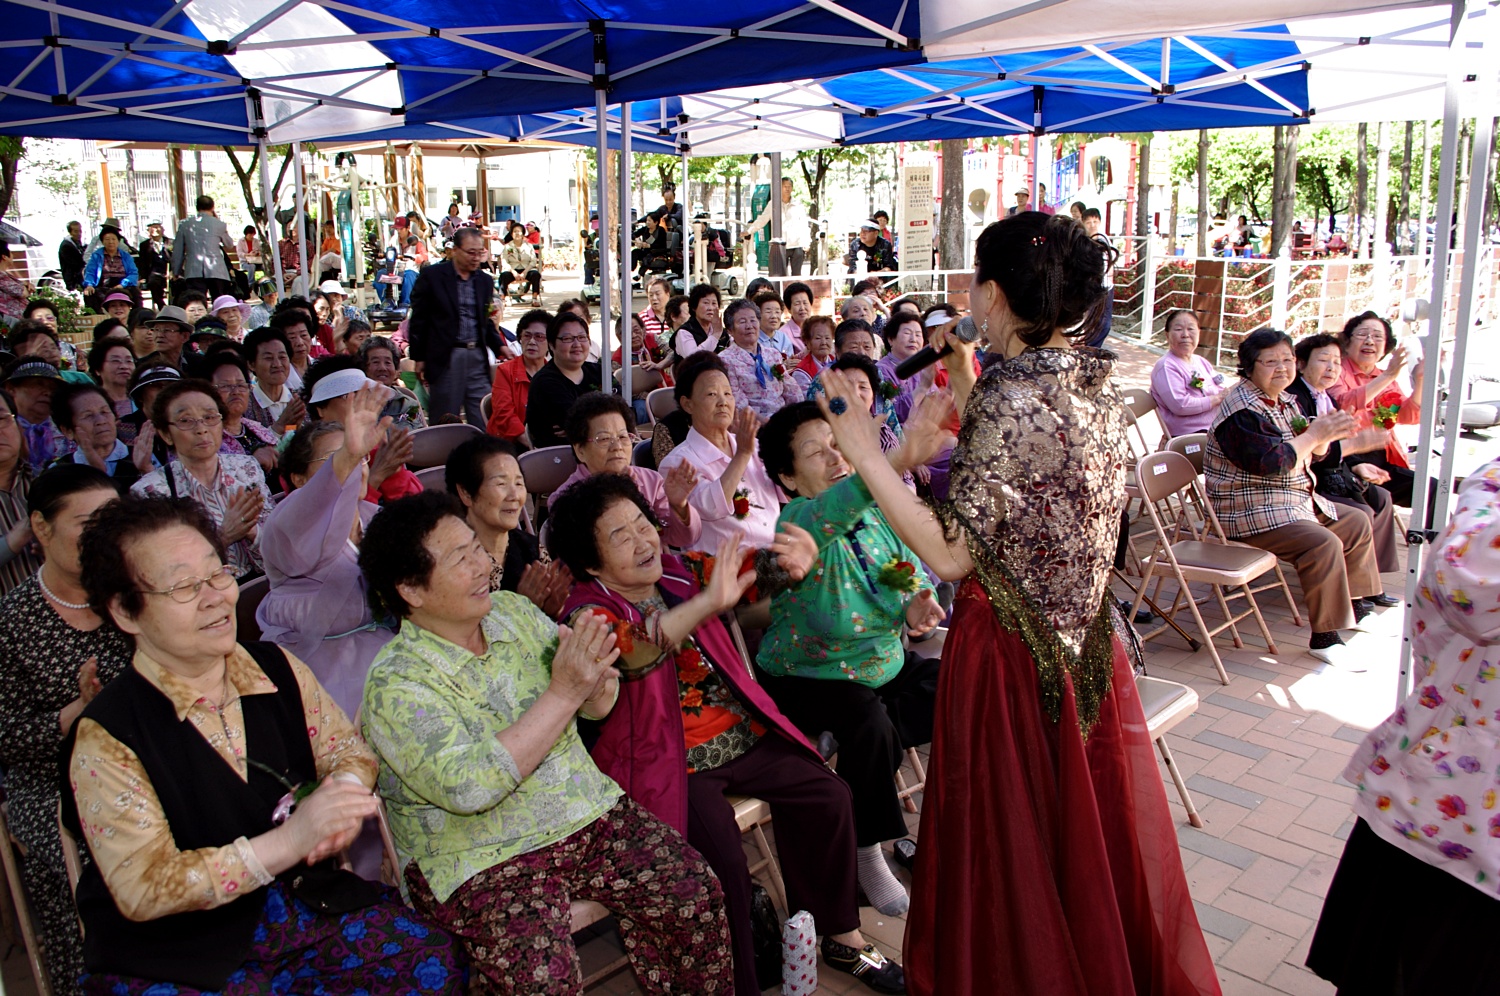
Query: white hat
x=869, y=224
x=337, y=384
x=332, y=287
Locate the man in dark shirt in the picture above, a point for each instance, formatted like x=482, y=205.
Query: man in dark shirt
x=70, y=256
x=566, y=378
x=154, y=260
x=879, y=253
x=451, y=333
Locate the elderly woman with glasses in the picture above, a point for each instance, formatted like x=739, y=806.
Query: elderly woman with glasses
x=500, y=817
x=84, y=414
x=231, y=488
x=512, y=385
x=1262, y=490
x=238, y=896
x=561, y=381
x=600, y=429
x=1364, y=387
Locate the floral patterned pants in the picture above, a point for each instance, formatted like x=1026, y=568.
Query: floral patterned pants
x=383, y=949
x=514, y=918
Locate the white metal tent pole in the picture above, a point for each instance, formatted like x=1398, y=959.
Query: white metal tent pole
x=775, y=197
x=271, y=247
x=600, y=108
x=1432, y=341
x=301, y=219
x=627, y=344
x=687, y=219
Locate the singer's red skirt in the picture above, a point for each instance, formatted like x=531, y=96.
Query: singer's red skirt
x=1046, y=864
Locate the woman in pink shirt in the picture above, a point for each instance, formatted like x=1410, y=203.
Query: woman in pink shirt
x=1185, y=386
x=1363, y=386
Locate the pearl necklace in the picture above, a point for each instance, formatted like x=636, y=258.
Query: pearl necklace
x=75, y=606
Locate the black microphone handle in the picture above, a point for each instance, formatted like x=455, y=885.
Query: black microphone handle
x=921, y=360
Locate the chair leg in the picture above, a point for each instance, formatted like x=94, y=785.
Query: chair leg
x=1286, y=590
x=1265, y=630
x=25, y=917
x=773, y=870
x=1187, y=800
x=1234, y=631
x=1213, y=651
x=905, y=792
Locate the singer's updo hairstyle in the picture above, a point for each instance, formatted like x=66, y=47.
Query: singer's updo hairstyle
x=1051, y=270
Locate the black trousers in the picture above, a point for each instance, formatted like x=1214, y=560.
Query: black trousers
x=873, y=726
x=533, y=280
x=814, y=824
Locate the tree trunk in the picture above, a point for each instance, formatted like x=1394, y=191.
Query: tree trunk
x=246, y=176
x=1143, y=190
x=10, y=158
x=1378, y=230
x=1203, y=192
x=951, y=234
x=1422, y=188
x=1284, y=188
x=814, y=179
x=1403, y=211
x=1358, y=230
x=1278, y=185
x=1172, y=221
x=1460, y=186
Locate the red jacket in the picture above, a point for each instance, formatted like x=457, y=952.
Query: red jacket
x=641, y=744
x=508, y=397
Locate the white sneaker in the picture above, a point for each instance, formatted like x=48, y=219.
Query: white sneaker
x=1341, y=657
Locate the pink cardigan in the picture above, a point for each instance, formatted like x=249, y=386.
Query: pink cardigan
x=641, y=743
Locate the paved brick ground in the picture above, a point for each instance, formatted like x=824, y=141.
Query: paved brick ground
x=1262, y=757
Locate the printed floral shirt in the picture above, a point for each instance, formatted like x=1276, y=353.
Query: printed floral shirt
x=432, y=710
x=122, y=818
x=842, y=622
x=1429, y=776
x=236, y=473
x=766, y=398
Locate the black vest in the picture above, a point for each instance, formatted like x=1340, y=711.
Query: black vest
x=206, y=805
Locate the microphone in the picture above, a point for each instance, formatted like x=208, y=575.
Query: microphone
x=925, y=357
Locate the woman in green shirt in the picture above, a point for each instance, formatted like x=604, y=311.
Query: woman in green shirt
x=499, y=814
x=832, y=658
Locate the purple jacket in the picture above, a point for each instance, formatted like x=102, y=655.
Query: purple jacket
x=641, y=744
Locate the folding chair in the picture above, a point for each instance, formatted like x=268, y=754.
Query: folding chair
x=1192, y=446
x=930, y=646
x=25, y=917
x=433, y=478
x=660, y=403
x=487, y=407
x=430, y=446
x=1205, y=556
x=1167, y=703
x=544, y=471
x=1140, y=404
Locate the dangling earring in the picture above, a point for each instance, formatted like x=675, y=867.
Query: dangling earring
x=984, y=327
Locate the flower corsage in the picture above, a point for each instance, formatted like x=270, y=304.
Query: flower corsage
x=900, y=575
x=1387, y=407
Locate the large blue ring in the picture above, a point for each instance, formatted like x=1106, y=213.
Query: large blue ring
x=838, y=405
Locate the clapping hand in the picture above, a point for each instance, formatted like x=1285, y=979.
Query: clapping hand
x=725, y=587
x=926, y=431
x=584, y=659
x=291, y=415
x=744, y=427
x=392, y=456
x=923, y=613
x=679, y=483
x=328, y=820
x=547, y=585
x=88, y=681
x=242, y=514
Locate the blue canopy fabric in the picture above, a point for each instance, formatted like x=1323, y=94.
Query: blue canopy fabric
x=192, y=72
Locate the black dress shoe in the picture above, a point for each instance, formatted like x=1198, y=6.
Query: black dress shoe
x=904, y=853
x=867, y=965
x=1383, y=600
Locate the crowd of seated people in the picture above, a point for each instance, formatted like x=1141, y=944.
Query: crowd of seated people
x=494, y=671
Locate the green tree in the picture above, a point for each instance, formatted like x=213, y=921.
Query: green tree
x=1325, y=169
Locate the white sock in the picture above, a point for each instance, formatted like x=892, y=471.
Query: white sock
x=882, y=887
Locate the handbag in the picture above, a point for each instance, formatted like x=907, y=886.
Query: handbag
x=332, y=891
x=765, y=938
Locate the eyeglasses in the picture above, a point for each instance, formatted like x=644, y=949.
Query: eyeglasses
x=606, y=438
x=186, y=590
x=533, y=337
x=232, y=388
x=1367, y=336
x=569, y=340
x=194, y=424
x=1272, y=364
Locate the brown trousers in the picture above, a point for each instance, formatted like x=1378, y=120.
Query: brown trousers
x=1335, y=561
x=1376, y=505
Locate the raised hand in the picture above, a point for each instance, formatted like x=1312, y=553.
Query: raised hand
x=926, y=431
x=725, y=587
x=142, y=450
x=88, y=680
x=242, y=515
x=392, y=456
x=364, y=429
x=586, y=653
x=853, y=429
x=291, y=415
x=796, y=550
x=680, y=482
x=744, y=427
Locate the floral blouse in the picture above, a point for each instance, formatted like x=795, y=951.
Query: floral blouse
x=236, y=473
x=122, y=818
x=1429, y=776
x=756, y=385
x=843, y=621
x=457, y=801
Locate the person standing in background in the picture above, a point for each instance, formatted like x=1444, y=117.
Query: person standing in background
x=70, y=256
x=203, y=252
x=154, y=262
x=451, y=329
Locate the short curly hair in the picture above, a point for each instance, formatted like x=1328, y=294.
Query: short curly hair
x=161, y=407
x=589, y=407
x=775, y=438
x=1258, y=342
x=586, y=502
x=394, y=551
x=118, y=528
